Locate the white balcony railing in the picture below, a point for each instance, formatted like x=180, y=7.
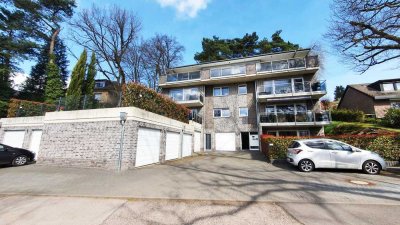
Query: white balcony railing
x=291, y=89
x=299, y=118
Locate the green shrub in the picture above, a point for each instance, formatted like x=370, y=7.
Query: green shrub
x=392, y=118
x=388, y=146
x=346, y=129
x=347, y=115
x=371, y=120
x=3, y=109
x=145, y=98
x=22, y=108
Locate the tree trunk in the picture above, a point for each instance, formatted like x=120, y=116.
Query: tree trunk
x=53, y=42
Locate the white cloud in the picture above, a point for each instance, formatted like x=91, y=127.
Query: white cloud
x=18, y=79
x=185, y=8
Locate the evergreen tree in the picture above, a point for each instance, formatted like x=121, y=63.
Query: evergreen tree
x=33, y=88
x=90, y=77
x=54, y=87
x=339, y=92
x=78, y=77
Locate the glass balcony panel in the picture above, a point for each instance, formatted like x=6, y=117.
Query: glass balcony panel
x=297, y=63
x=172, y=77
x=194, y=75
x=176, y=95
x=215, y=73
x=264, y=67
x=183, y=76
x=322, y=117
x=280, y=65
x=283, y=86
x=318, y=86
x=226, y=72
x=312, y=61
x=298, y=85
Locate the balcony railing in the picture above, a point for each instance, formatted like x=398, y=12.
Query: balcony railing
x=196, y=118
x=292, y=89
x=288, y=64
x=299, y=118
x=183, y=76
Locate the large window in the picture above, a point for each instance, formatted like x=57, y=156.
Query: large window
x=287, y=113
x=281, y=65
x=227, y=71
x=388, y=87
x=289, y=86
x=221, y=91
x=183, y=76
x=221, y=113
x=185, y=94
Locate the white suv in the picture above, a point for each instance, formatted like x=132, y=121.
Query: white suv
x=309, y=154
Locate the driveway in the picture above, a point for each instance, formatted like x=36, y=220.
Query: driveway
x=219, y=186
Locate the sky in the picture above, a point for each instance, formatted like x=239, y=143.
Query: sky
x=302, y=21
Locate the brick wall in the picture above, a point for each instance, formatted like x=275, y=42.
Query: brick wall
x=356, y=100
x=381, y=108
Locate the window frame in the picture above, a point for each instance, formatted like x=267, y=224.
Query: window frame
x=103, y=84
x=247, y=112
x=221, y=113
x=392, y=84
x=220, y=88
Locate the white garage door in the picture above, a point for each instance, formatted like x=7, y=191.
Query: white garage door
x=197, y=140
x=34, y=144
x=225, y=141
x=14, y=138
x=148, y=147
x=187, y=145
x=173, y=145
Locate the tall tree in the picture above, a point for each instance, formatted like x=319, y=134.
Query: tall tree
x=54, y=87
x=111, y=33
x=365, y=32
x=16, y=43
x=33, y=88
x=90, y=76
x=159, y=54
x=219, y=49
x=78, y=77
x=339, y=92
x=47, y=15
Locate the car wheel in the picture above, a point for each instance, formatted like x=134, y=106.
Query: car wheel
x=20, y=160
x=306, y=165
x=371, y=167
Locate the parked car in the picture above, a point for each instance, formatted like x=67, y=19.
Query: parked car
x=15, y=156
x=309, y=154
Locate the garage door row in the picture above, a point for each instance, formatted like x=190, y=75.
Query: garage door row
x=176, y=146
x=16, y=138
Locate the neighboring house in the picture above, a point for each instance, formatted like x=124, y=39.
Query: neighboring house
x=107, y=92
x=239, y=99
x=373, y=99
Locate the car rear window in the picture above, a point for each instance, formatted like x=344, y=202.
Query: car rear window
x=294, y=144
x=315, y=144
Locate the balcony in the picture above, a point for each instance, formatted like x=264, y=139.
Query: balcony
x=288, y=64
x=189, y=99
x=196, y=118
x=280, y=90
x=308, y=118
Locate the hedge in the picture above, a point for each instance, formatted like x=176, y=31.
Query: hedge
x=347, y=115
x=388, y=146
x=392, y=118
x=145, y=98
x=21, y=108
x=3, y=109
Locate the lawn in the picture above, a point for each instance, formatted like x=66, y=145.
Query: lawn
x=337, y=127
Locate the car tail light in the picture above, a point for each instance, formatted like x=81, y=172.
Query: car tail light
x=296, y=151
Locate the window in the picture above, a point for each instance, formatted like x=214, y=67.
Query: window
x=1, y=148
x=100, y=84
x=227, y=71
x=315, y=144
x=261, y=67
x=294, y=144
x=97, y=96
x=221, y=91
x=280, y=65
x=183, y=76
x=222, y=113
x=333, y=145
x=397, y=84
x=395, y=105
x=242, y=89
x=304, y=133
x=176, y=94
x=388, y=87
x=243, y=112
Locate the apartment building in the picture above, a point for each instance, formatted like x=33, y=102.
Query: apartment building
x=238, y=100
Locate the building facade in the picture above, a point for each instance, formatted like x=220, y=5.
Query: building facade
x=238, y=100
x=374, y=99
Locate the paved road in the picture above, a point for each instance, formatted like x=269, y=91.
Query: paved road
x=230, y=189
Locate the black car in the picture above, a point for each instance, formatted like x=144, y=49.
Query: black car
x=15, y=156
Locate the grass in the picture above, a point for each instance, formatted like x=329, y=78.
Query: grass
x=329, y=128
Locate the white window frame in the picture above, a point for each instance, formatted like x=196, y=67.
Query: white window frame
x=242, y=85
x=222, y=114
x=247, y=112
x=102, y=84
x=221, y=91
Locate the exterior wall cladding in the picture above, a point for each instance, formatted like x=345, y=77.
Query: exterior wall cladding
x=253, y=79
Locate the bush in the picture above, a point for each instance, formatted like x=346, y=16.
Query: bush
x=347, y=115
x=22, y=108
x=392, y=118
x=145, y=98
x=3, y=109
x=388, y=146
x=346, y=129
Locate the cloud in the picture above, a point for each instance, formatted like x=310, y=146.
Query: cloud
x=18, y=79
x=185, y=8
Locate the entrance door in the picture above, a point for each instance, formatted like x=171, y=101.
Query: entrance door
x=34, y=144
x=208, y=142
x=245, y=140
x=254, y=143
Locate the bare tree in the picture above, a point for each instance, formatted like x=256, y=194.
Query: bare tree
x=159, y=54
x=111, y=33
x=366, y=32
x=134, y=65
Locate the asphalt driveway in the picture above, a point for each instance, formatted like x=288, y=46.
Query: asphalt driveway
x=236, y=183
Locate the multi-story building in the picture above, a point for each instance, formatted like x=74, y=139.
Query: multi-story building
x=240, y=99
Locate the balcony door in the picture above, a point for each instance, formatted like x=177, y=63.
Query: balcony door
x=288, y=113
